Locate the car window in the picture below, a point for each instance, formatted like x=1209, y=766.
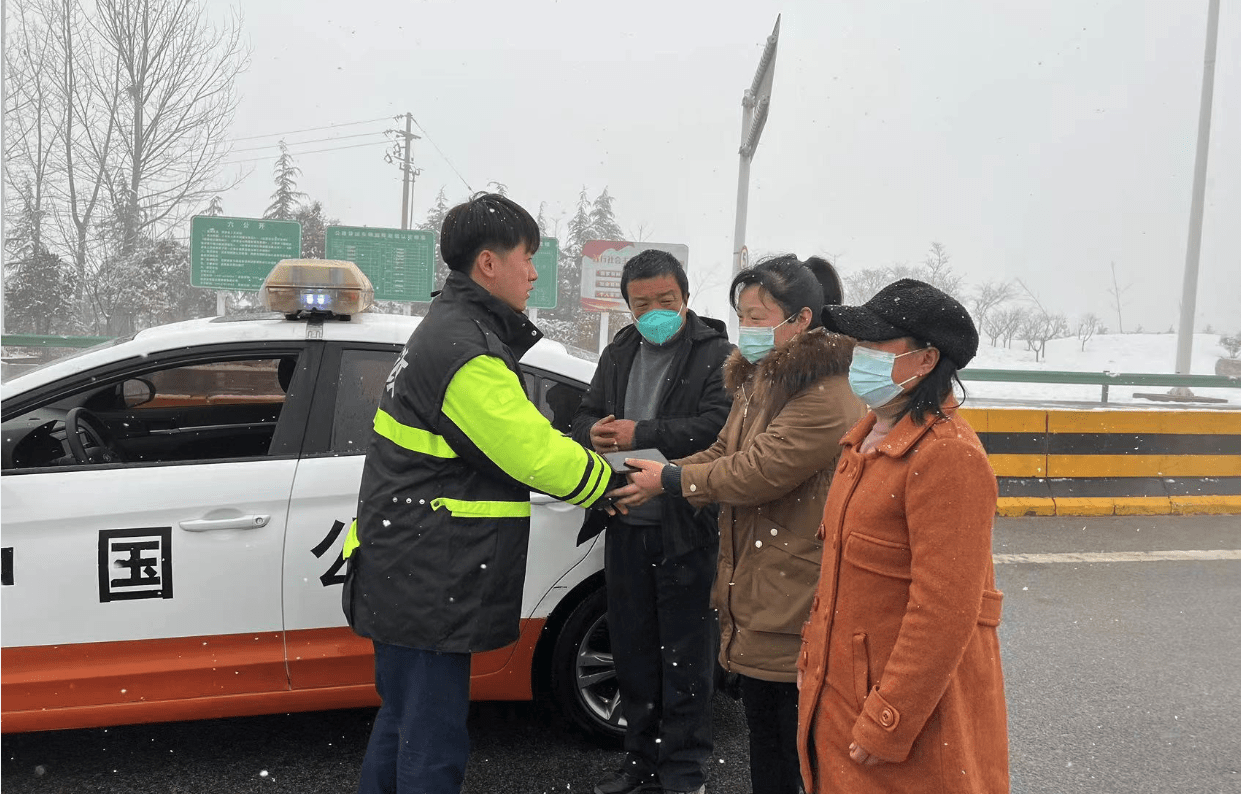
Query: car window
x=558, y=401
x=362, y=377
x=248, y=382
x=205, y=410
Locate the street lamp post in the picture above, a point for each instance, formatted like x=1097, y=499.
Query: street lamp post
x=1189, y=290
x=755, y=103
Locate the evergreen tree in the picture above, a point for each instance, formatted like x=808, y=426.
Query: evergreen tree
x=499, y=188
x=284, y=201
x=603, y=219
x=434, y=221
x=314, y=226
x=215, y=209
x=39, y=293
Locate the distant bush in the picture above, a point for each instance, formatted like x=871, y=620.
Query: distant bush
x=1232, y=344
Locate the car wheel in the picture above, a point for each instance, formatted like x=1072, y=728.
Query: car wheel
x=584, y=675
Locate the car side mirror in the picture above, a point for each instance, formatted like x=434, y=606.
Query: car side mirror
x=137, y=391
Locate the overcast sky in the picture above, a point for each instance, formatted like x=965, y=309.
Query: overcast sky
x=1035, y=140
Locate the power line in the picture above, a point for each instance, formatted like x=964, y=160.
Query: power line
x=437, y=148
x=313, y=129
x=313, y=140
x=313, y=151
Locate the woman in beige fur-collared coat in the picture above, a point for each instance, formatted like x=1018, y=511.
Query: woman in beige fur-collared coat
x=769, y=471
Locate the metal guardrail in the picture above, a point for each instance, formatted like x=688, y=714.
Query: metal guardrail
x=1102, y=379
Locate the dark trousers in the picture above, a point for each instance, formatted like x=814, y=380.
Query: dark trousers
x=419, y=743
x=663, y=642
x=771, y=716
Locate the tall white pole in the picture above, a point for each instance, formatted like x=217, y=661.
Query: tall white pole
x=1189, y=291
x=743, y=199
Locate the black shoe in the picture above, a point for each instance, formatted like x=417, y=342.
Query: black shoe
x=622, y=782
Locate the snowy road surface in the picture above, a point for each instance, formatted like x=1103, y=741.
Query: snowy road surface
x=1121, y=655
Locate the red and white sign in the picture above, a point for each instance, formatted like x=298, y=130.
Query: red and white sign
x=602, y=262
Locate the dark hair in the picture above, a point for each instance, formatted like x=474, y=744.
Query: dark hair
x=833, y=289
x=488, y=221
x=793, y=284
x=928, y=396
x=652, y=263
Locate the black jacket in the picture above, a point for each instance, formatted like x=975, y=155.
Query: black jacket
x=690, y=415
x=437, y=556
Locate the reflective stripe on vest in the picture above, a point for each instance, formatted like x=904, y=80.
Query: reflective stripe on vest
x=412, y=438
x=351, y=540
x=462, y=508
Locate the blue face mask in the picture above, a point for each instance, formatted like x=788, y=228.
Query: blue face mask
x=870, y=376
x=756, y=342
x=659, y=325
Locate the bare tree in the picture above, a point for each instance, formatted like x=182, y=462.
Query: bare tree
x=1117, y=292
x=703, y=277
x=989, y=296
x=938, y=272
x=89, y=81
x=640, y=233
x=1087, y=326
x=177, y=100
x=1010, y=322
x=1040, y=328
x=33, y=120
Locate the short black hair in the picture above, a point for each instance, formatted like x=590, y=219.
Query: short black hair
x=792, y=284
x=488, y=221
x=928, y=396
x=653, y=263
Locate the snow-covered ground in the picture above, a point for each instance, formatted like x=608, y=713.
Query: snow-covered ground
x=1117, y=353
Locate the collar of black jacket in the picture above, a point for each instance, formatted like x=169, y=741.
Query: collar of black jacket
x=512, y=327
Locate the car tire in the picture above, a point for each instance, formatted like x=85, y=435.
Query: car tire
x=584, y=682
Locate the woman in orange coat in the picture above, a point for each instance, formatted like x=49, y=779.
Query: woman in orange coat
x=901, y=688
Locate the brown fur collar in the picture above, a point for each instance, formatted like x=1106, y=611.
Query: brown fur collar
x=789, y=369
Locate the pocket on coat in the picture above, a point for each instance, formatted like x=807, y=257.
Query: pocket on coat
x=784, y=572
x=883, y=557
x=861, y=670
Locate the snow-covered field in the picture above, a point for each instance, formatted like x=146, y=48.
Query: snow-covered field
x=1117, y=353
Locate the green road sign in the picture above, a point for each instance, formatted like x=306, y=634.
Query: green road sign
x=238, y=253
x=547, y=265
x=399, y=262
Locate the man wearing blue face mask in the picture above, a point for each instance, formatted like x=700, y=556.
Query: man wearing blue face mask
x=659, y=384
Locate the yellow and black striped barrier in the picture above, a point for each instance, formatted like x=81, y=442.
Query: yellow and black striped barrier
x=1052, y=462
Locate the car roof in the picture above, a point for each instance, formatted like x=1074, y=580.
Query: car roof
x=367, y=327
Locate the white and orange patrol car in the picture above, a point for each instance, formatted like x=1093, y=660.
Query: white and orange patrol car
x=174, y=507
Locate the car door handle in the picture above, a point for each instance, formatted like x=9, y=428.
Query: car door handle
x=211, y=524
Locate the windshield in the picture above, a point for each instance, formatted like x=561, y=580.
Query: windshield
x=23, y=360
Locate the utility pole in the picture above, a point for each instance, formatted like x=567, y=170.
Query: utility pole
x=1189, y=291
x=755, y=103
x=408, y=171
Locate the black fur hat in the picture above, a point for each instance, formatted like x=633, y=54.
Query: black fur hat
x=909, y=308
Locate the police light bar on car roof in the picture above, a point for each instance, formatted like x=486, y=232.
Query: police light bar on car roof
x=298, y=287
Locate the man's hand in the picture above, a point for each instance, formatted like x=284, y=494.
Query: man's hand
x=859, y=755
x=610, y=434
x=644, y=484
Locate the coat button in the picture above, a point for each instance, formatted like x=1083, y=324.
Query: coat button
x=885, y=718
